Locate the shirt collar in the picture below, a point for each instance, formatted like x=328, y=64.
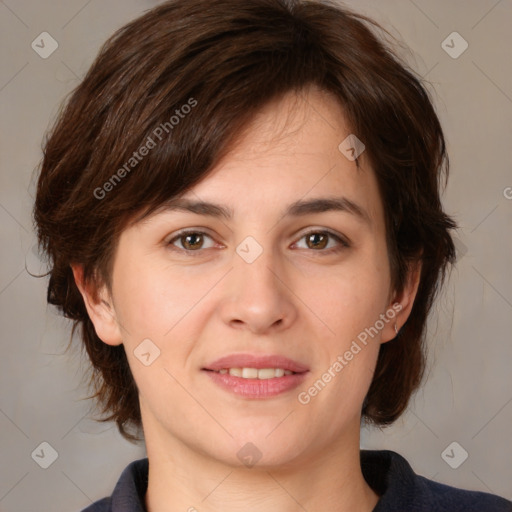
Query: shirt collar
x=130, y=491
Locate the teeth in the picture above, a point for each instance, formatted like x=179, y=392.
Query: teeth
x=236, y=372
x=255, y=373
x=250, y=373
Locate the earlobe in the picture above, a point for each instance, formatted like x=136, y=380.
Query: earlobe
x=99, y=308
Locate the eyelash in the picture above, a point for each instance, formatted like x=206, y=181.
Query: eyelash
x=342, y=243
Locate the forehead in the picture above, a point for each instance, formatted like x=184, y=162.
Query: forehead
x=286, y=162
x=289, y=154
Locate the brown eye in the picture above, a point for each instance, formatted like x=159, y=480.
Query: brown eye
x=193, y=241
x=317, y=240
x=189, y=241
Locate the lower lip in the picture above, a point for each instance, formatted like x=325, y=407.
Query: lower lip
x=257, y=388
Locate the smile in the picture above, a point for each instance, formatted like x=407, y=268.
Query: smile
x=255, y=373
x=270, y=384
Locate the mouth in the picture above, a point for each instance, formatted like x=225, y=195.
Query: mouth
x=254, y=373
x=256, y=377
x=250, y=362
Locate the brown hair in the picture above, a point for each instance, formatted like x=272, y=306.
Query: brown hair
x=225, y=60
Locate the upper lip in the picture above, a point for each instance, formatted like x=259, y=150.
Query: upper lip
x=256, y=361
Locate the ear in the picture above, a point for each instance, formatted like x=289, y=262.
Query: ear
x=100, y=308
x=402, y=303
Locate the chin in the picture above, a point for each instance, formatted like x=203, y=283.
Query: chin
x=259, y=449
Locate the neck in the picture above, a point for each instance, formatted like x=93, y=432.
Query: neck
x=181, y=478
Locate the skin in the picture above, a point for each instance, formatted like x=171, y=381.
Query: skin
x=296, y=299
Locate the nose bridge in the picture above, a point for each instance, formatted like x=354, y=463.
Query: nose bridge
x=255, y=265
x=257, y=297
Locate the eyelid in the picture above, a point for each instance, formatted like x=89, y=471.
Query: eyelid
x=343, y=242
x=341, y=239
x=184, y=232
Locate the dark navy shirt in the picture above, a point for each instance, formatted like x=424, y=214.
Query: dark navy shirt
x=386, y=472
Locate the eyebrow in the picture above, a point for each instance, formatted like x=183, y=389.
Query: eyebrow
x=297, y=209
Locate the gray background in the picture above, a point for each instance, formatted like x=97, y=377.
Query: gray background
x=467, y=396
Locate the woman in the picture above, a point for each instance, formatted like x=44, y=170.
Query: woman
x=241, y=204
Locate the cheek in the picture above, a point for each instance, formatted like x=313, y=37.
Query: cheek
x=166, y=306
x=152, y=298
x=352, y=297
x=140, y=305
x=153, y=304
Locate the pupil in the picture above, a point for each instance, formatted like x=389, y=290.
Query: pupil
x=188, y=237
x=311, y=237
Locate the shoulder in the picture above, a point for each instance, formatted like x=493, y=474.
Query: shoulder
x=104, y=505
x=446, y=498
x=391, y=476
x=129, y=492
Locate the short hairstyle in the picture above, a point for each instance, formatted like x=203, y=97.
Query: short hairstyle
x=183, y=80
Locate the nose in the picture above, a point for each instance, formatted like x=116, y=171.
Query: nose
x=258, y=296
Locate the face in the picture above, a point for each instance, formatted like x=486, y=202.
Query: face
x=301, y=289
